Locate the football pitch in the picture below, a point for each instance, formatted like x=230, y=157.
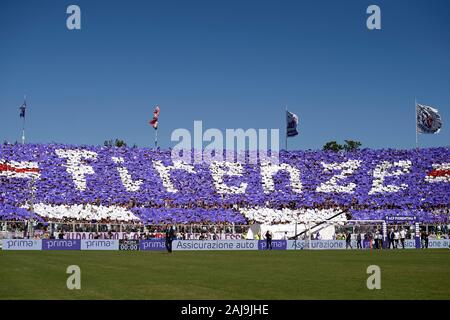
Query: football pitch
x=409, y=274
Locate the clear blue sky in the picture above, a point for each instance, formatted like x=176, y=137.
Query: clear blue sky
x=232, y=64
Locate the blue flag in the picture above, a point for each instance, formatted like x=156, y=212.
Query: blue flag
x=22, y=110
x=428, y=119
x=291, y=124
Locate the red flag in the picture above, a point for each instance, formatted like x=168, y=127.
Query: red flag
x=15, y=169
x=156, y=112
x=440, y=173
x=154, y=122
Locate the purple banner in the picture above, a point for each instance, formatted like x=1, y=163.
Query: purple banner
x=59, y=244
x=400, y=219
x=154, y=245
x=276, y=245
x=366, y=244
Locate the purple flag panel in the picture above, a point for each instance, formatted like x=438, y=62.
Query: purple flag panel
x=9, y=212
x=57, y=244
x=276, y=245
x=372, y=183
x=154, y=245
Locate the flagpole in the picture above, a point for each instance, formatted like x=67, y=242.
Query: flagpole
x=154, y=124
x=417, y=134
x=23, y=121
x=23, y=131
x=285, y=116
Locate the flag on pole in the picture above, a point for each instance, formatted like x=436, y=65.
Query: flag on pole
x=291, y=124
x=22, y=109
x=154, y=122
x=428, y=119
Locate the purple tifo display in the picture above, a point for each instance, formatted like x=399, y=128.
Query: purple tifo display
x=399, y=215
x=186, y=216
x=12, y=213
x=94, y=183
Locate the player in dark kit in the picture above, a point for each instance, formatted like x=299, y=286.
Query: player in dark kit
x=268, y=240
x=170, y=235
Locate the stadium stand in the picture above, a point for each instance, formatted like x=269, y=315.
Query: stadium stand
x=62, y=183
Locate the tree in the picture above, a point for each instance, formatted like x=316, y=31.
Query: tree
x=351, y=145
x=120, y=143
x=117, y=143
x=332, y=146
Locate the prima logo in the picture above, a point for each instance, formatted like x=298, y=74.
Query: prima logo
x=99, y=244
x=61, y=244
x=22, y=244
x=236, y=145
x=152, y=245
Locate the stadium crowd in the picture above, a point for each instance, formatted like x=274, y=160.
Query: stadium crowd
x=82, y=185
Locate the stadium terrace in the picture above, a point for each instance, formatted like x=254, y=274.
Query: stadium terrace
x=54, y=181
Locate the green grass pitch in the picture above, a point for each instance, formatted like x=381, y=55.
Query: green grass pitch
x=409, y=274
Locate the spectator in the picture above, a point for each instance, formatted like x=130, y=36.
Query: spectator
x=348, y=240
x=426, y=239
x=396, y=238
x=359, y=241
x=380, y=240
x=391, y=239
x=268, y=240
x=403, y=237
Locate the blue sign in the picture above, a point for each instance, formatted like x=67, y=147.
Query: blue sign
x=156, y=244
x=400, y=219
x=58, y=244
x=276, y=245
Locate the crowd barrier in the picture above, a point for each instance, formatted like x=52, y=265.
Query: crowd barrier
x=192, y=245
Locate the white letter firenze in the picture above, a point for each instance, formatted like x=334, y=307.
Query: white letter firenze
x=127, y=181
x=222, y=168
x=268, y=170
x=75, y=167
x=347, y=168
x=381, y=171
x=164, y=172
